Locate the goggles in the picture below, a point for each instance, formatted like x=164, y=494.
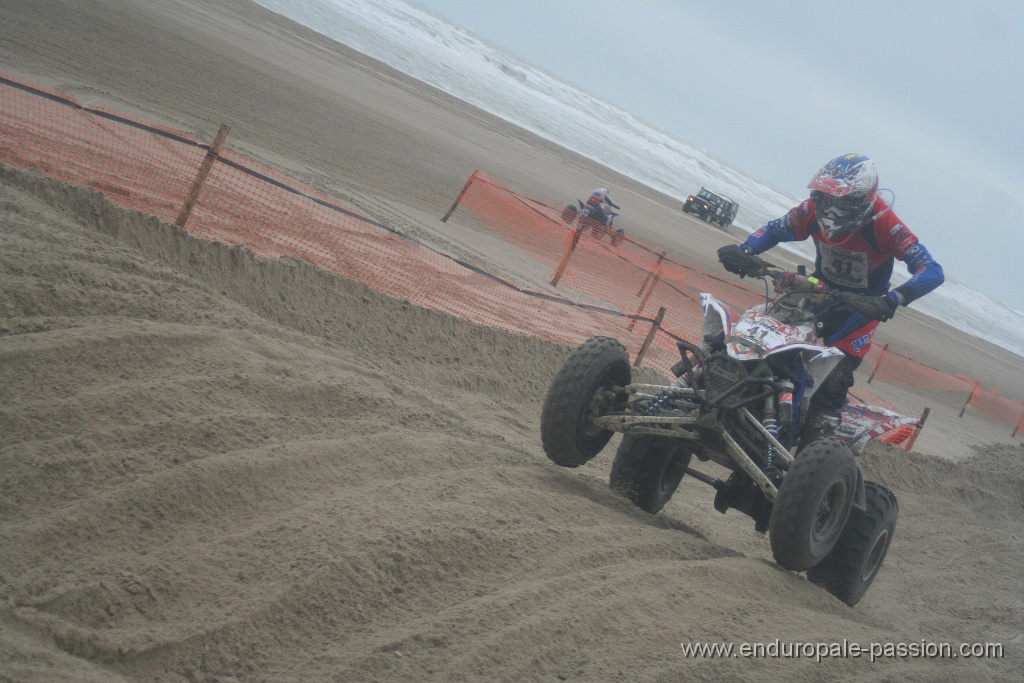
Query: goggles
x=828, y=203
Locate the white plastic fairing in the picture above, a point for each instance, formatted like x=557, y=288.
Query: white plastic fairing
x=718, y=318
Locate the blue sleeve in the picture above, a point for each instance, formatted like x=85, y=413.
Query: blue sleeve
x=778, y=230
x=925, y=274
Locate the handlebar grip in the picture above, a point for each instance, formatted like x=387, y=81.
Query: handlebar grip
x=858, y=302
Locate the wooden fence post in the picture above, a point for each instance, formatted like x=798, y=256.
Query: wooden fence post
x=643, y=302
x=968, y=401
x=651, y=273
x=458, y=199
x=574, y=239
x=204, y=172
x=650, y=337
x=917, y=430
x=877, y=363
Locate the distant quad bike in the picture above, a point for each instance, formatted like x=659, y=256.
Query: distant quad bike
x=599, y=226
x=741, y=400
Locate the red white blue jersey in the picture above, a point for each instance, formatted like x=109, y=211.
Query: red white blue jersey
x=601, y=196
x=862, y=262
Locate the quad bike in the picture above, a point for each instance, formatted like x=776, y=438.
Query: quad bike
x=599, y=223
x=741, y=401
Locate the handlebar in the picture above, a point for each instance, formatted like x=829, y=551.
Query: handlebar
x=745, y=264
x=784, y=281
x=794, y=282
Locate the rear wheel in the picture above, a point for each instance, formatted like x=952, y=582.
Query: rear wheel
x=569, y=214
x=813, y=504
x=585, y=387
x=848, y=571
x=647, y=469
x=617, y=237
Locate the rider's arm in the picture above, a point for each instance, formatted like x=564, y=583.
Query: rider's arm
x=792, y=227
x=925, y=274
x=611, y=203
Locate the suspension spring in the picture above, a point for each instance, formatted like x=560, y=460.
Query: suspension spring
x=661, y=400
x=657, y=404
x=771, y=425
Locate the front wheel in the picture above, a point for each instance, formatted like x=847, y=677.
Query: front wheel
x=584, y=388
x=813, y=504
x=853, y=564
x=647, y=469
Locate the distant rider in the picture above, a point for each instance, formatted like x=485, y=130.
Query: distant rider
x=598, y=202
x=857, y=238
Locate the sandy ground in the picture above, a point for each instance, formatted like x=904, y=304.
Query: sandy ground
x=216, y=468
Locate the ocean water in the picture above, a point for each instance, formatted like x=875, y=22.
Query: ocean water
x=451, y=58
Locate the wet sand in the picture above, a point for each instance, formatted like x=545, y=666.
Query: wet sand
x=227, y=469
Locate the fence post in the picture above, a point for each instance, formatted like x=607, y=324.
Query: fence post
x=877, y=363
x=1019, y=425
x=968, y=401
x=204, y=172
x=650, y=337
x=640, y=308
x=574, y=239
x=917, y=430
x=458, y=199
x=651, y=273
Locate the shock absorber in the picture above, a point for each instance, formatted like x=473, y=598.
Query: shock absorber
x=785, y=408
x=771, y=425
x=662, y=399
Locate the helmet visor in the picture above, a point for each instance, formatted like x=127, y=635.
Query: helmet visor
x=839, y=216
x=827, y=203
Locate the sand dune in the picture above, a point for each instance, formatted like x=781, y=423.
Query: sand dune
x=220, y=468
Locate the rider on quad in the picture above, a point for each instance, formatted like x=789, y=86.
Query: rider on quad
x=857, y=238
x=598, y=202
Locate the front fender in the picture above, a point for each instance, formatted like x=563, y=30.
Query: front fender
x=718, y=317
x=820, y=361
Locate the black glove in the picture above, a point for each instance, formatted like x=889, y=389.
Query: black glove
x=880, y=308
x=737, y=261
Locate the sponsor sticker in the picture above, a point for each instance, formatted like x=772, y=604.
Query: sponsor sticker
x=860, y=342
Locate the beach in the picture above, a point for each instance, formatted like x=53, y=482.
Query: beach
x=217, y=467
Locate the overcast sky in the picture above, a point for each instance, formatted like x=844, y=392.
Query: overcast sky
x=932, y=90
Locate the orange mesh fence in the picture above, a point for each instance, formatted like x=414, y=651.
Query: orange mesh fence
x=897, y=368
x=596, y=287
x=139, y=165
x=992, y=404
x=147, y=167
